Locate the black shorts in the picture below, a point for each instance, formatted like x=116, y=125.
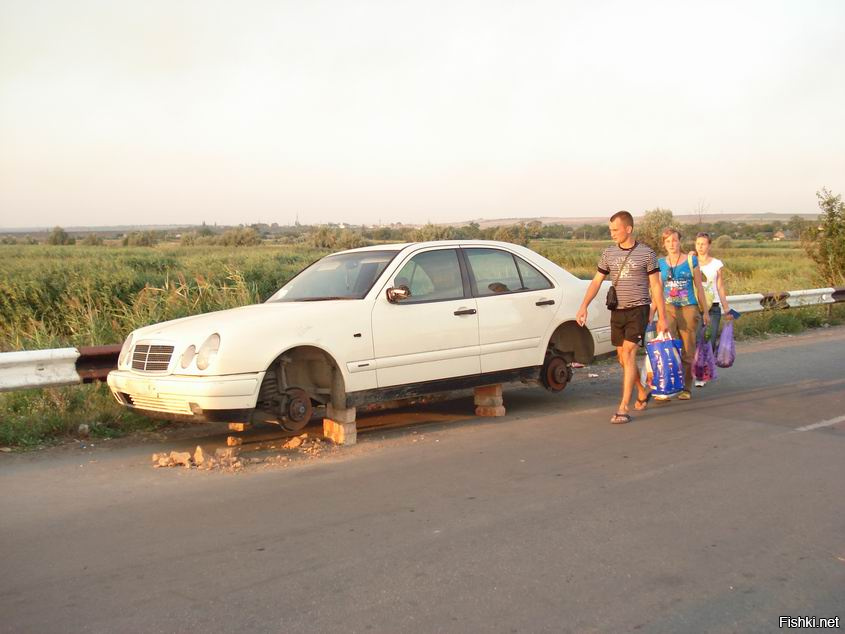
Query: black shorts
x=628, y=324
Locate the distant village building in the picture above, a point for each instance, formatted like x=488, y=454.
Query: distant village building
x=778, y=236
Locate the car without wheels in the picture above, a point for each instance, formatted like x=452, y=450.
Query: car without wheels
x=366, y=325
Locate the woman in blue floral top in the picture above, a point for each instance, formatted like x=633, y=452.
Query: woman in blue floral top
x=681, y=285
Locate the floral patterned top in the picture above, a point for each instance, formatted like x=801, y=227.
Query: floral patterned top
x=678, y=281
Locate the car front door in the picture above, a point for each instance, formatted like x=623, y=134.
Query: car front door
x=432, y=334
x=516, y=305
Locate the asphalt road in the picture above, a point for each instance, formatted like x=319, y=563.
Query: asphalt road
x=710, y=515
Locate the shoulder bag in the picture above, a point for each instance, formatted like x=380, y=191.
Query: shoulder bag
x=612, y=301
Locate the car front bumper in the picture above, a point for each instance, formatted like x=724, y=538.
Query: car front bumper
x=200, y=398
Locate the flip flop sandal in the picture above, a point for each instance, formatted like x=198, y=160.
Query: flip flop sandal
x=642, y=403
x=620, y=419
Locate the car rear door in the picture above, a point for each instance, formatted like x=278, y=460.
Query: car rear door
x=516, y=305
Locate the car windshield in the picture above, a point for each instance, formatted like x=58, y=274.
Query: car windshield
x=342, y=276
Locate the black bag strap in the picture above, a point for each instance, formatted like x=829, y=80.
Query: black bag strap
x=624, y=262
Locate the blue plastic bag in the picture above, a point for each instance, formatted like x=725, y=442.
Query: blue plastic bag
x=645, y=367
x=704, y=365
x=664, y=356
x=726, y=354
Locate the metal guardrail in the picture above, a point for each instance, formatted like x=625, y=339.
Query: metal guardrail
x=95, y=362
x=53, y=368
x=71, y=366
x=789, y=299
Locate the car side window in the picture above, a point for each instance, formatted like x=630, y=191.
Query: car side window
x=431, y=276
x=495, y=272
x=532, y=279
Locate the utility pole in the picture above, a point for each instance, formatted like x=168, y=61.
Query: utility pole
x=701, y=209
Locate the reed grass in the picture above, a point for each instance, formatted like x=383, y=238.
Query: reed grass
x=75, y=295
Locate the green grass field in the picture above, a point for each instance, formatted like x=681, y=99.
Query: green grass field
x=74, y=295
x=57, y=296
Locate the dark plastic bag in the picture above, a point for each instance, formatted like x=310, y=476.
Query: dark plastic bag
x=664, y=356
x=726, y=353
x=704, y=366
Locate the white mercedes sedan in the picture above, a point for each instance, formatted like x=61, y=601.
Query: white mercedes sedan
x=366, y=325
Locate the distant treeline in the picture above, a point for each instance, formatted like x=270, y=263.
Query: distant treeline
x=342, y=236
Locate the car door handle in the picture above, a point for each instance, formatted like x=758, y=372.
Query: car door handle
x=545, y=302
x=466, y=311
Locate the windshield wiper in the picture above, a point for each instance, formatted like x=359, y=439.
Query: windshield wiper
x=320, y=299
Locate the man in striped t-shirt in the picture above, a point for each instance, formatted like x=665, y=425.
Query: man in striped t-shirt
x=633, y=270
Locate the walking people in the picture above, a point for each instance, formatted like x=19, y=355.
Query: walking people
x=634, y=271
x=714, y=291
x=681, y=288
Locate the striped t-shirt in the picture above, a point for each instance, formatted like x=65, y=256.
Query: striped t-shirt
x=632, y=285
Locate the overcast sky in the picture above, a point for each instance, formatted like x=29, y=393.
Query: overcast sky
x=161, y=111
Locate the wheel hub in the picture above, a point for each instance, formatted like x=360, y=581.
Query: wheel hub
x=297, y=410
x=556, y=373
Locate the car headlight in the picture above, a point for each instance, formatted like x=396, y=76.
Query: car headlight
x=208, y=350
x=188, y=356
x=124, y=351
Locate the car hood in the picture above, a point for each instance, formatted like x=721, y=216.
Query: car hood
x=297, y=318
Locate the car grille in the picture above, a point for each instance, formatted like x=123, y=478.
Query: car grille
x=151, y=357
x=155, y=404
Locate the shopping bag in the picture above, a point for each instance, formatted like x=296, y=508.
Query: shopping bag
x=645, y=372
x=704, y=365
x=645, y=365
x=664, y=356
x=726, y=353
x=650, y=332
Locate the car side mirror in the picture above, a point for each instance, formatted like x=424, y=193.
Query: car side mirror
x=397, y=294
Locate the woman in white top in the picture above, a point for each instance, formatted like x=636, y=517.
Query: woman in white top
x=714, y=290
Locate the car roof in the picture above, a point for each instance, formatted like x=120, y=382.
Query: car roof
x=433, y=243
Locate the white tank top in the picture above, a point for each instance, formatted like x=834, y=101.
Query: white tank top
x=708, y=278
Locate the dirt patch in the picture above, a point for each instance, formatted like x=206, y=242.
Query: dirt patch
x=235, y=458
